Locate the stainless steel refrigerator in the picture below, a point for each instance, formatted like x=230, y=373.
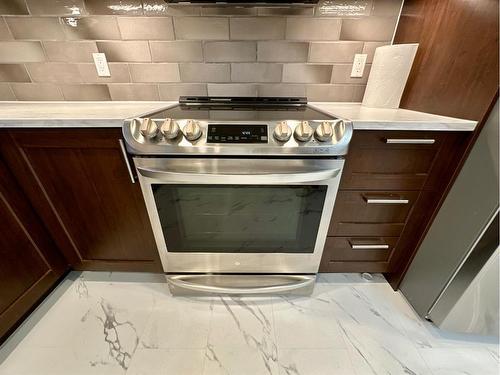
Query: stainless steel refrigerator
x=453, y=280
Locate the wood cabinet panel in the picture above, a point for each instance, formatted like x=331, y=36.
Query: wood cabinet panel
x=79, y=182
x=354, y=216
x=30, y=264
x=374, y=164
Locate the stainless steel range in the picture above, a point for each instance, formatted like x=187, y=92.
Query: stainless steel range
x=239, y=191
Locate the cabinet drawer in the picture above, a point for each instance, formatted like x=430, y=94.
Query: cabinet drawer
x=359, y=249
x=371, y=213
x=390, y=160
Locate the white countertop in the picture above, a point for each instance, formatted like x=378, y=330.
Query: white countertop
x=112, y=114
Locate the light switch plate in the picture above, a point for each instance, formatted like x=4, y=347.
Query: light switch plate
x=358, y=65
x=101, y=64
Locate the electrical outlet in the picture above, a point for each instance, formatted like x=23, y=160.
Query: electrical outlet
x=358, y=65
x=101, y=64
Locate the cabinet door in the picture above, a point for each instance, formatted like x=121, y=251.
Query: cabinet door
x=79, y=182
x=29, y=262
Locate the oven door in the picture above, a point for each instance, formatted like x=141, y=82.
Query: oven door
x=239, y=215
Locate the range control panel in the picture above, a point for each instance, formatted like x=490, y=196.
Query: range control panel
x=237, y=133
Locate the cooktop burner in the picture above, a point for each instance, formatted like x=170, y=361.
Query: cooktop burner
x=238, y=126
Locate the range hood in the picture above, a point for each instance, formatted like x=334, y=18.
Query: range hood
x=244, y=3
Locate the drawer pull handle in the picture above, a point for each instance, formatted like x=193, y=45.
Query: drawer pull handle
x=385, y=201
x=370, y=247
x=410, y=141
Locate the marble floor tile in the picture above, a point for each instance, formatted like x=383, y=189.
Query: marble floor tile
x=315, y=362
x=167, y=361
x=130, y=324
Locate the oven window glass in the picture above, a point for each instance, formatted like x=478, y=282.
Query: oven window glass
x=240, y=218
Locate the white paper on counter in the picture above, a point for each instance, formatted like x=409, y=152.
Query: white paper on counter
x=388, y=75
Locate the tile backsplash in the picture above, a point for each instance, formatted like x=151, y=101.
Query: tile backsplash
x=158, y=51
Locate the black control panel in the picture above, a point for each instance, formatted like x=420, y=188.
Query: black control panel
x=237, y=133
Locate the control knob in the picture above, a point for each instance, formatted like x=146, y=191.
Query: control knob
x=282, y=132
x=324, y=132
x=170, y=129
x=148, y=128
x=192, y=130
x=303, y=132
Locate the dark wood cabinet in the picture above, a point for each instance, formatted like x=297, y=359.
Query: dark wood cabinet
x=29, y=260
x=391, y=184
x=78, y=182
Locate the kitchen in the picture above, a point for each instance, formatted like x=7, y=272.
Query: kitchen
x=249, y=188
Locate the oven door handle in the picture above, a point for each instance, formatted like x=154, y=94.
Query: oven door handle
x=244, y=177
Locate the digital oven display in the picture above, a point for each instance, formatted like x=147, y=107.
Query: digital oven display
x=237, y=133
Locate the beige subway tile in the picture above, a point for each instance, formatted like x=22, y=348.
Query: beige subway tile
x=228, y=11
x=341, y=73
x=37, y=91
x=230, y=51
x=334, y=52
x=173, y=91
x=70, y=51
x=176, y=51
x=232, y=89
x=359, y=92
x=13, y=73
x=302, y=73
x=282, y=51
x=255, y=28
x=313, y=28
x=16, y=52
x=152, y=28
x=330, y=93
x=368, y=29
x=10, y=7
x=285, y=11
x=122, y=7
x=133, y=91
x=119, y=73
x=58, y=7
x=93, y=28
x=282, y=89
x=256, y=72
x=85, y=92
x=137, y=51
x=154, y=72
x=161, y=8
x=388, y=8
x=342, y=8
x=370, y=47
x=6, y=92
x=39, y=28
x=4, y=30
x=201, y=28
x=205, y=72
x=54, y=72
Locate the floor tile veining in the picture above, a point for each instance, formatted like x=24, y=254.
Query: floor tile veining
x=102, y=323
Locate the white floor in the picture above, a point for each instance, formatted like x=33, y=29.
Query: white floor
x=102, y=323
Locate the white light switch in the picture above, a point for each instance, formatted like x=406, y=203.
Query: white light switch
x=101, y=64
x=358, y=65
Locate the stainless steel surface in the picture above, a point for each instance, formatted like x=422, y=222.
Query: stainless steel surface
x=410, y=141
x=468, y=208
x=369, y=247
x=212, y=171
x=386, y=201
x=238, y=284
x=303, y=132
x=337, y=146
x=127, y=163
